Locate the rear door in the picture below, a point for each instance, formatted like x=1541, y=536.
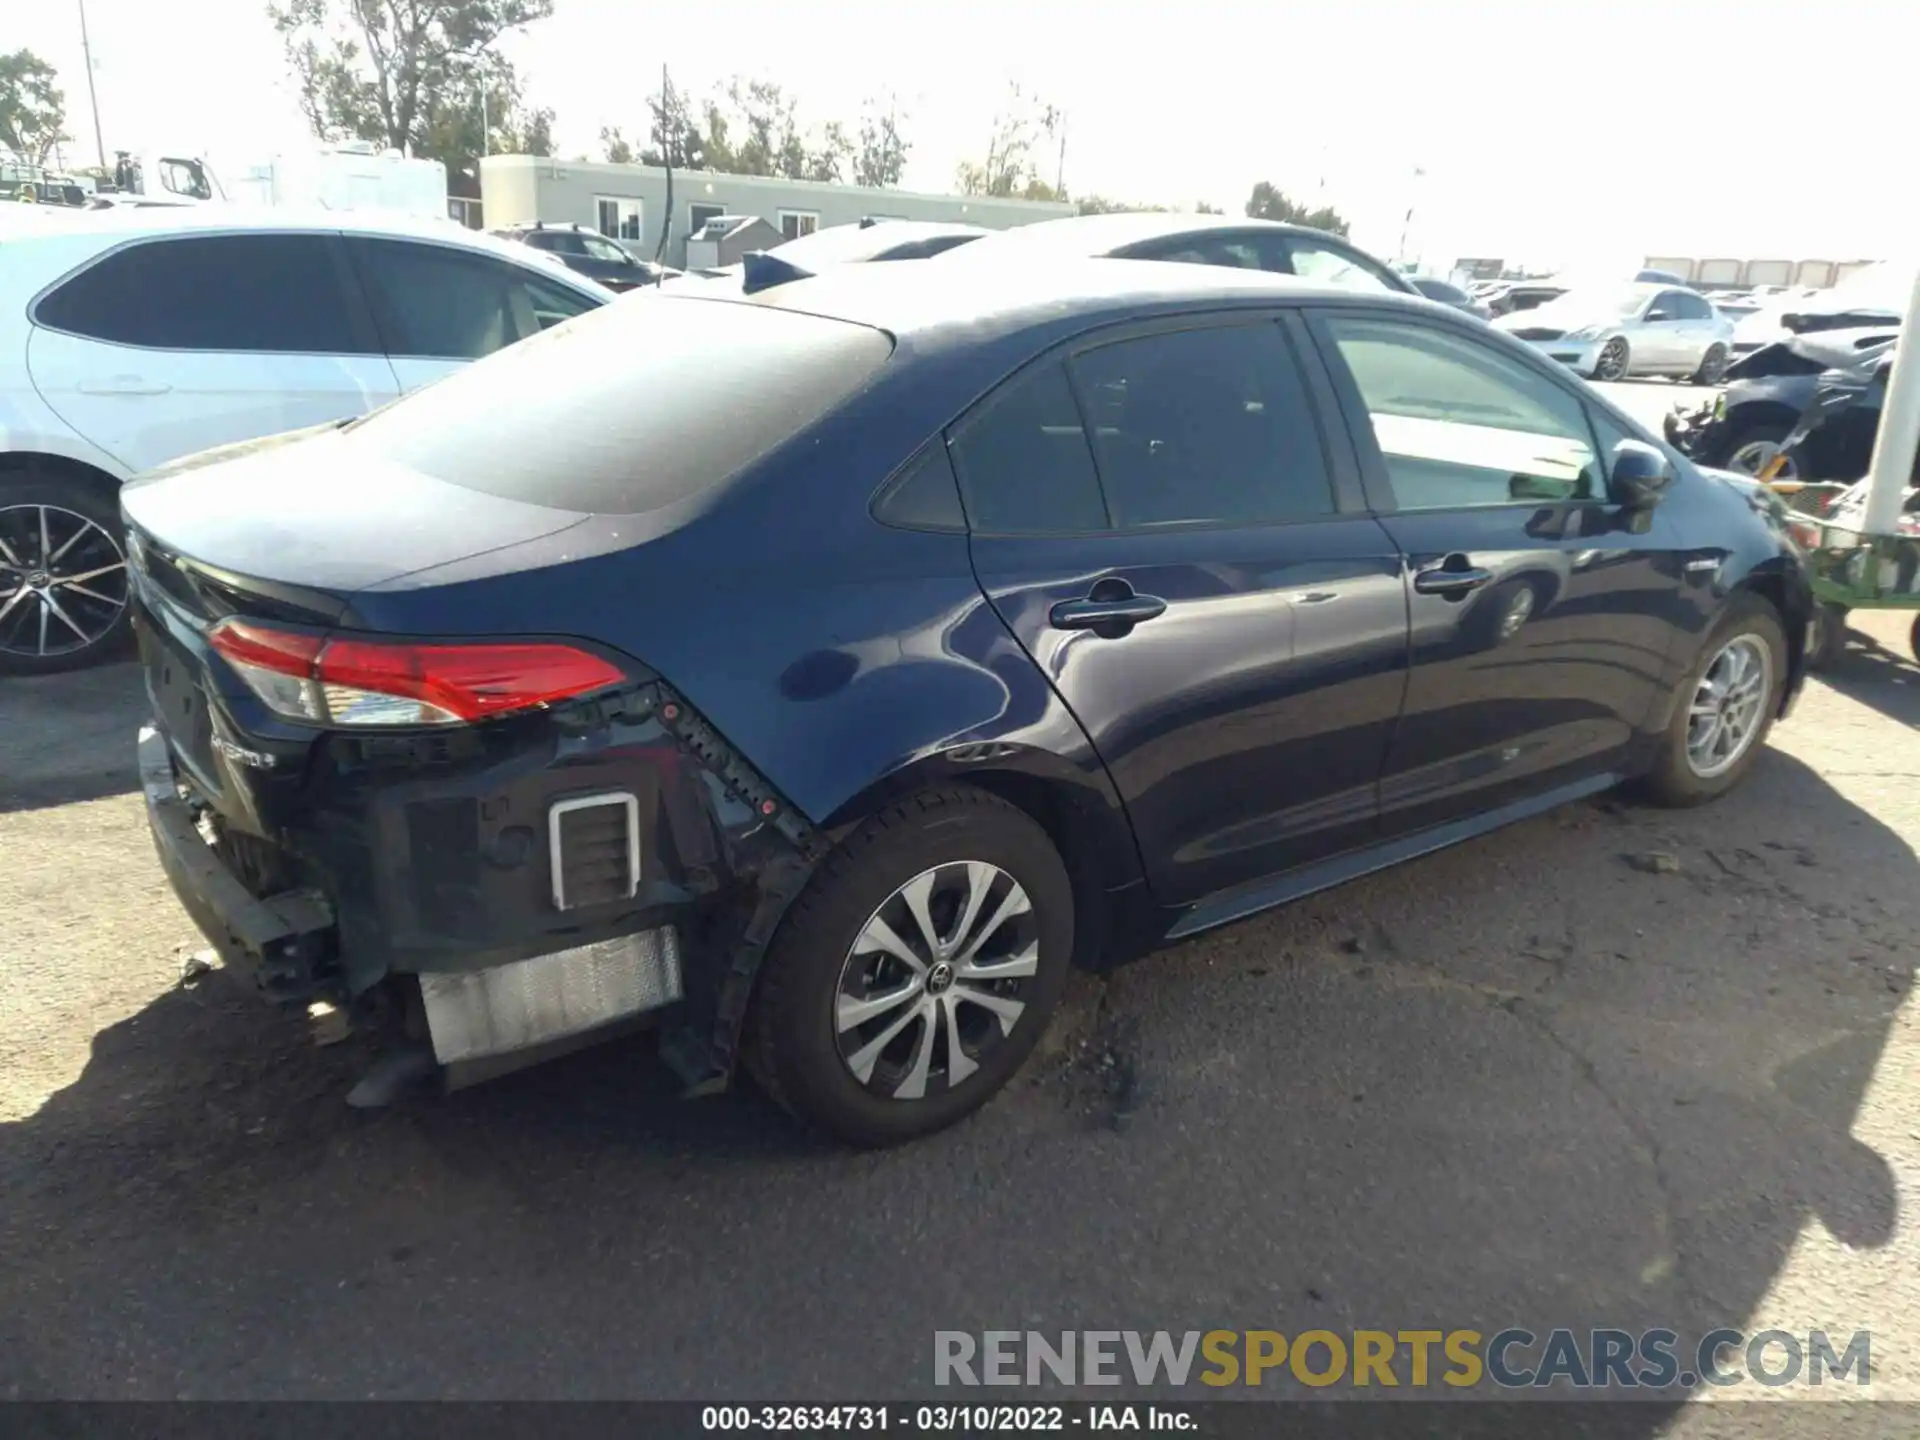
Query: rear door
x=1699, y=328
x=437, y=307
x=176, y=344
x=1541, y=612
x=1171, y=535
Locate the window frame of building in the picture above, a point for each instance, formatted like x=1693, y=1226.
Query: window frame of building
x=696, y=222
x=621, y=204
x=805, y=222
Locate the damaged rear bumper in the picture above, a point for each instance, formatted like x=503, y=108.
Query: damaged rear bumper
x=538, y=886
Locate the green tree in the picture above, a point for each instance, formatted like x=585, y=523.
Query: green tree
x=33, y=111
x=1017, y=147
x=1201, y=207
x=412, y=74
x=1101, y=205
x=615, y=148
x=1269, y=203
x=881, y=158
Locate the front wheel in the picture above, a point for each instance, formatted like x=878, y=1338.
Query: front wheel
x=1725, y=707
x=917, y=971
x=1751, y=449
x=1713, y=366
x=1614, y=360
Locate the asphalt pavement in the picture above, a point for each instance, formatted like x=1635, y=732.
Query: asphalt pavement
x=1532, y=1080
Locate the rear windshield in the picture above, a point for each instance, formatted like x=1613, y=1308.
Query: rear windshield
x=632, y=407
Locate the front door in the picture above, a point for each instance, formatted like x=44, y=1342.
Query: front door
x=177, y=344
x=1541, y=612
x=1161, y=523
x=1660, y=340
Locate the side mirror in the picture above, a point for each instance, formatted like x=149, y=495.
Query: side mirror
x=1640, y=474
x=1657, y=315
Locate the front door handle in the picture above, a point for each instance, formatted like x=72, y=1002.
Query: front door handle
x=1112, y=609
x=1451, y=578
x=123, y=385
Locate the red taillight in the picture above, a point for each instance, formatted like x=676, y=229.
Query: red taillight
x=378, y=682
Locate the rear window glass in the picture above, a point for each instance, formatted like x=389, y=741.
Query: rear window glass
x=636, y=406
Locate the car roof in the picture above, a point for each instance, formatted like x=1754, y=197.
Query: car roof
x=989, y=300
x=109, y=227
x=1102, y=234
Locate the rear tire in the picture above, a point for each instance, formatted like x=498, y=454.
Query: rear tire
x=1689, y=770
x=860, y=1040
x=54, y=529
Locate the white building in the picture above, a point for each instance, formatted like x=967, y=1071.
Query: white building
x=629, y=202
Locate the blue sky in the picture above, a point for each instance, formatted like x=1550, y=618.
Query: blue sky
x=1584, y=132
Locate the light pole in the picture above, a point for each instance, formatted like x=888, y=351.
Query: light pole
x=1407, y=224
x=86, y=54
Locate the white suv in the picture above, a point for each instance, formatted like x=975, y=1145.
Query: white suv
x=130, y=337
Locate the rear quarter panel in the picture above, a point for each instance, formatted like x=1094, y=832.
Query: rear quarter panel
x=845, y=660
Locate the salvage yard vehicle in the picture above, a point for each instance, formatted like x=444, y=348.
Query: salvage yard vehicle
x=1032, y=617
x=1619, y=332
x=1849, y=568
x=1298, y=250
x=129, y=337
x=589, y=253
x=1744, y=427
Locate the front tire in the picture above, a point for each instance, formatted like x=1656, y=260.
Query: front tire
x=1753, y=447
x=1725, y=707
x=63, y=575
x=916, y=972
x=1614, y=360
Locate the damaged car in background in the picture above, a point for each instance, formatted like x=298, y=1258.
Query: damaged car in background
x=1745, y=426
x=819, y=675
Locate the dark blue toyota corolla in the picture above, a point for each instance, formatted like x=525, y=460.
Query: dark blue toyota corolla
x=818, y=674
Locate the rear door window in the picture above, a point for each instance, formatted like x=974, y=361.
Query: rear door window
x=1204, y=426
x=634, y=407
x=232, y=293
x=1023, y=461
x=437, y=302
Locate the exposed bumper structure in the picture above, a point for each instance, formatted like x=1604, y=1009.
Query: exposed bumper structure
x=562, y=878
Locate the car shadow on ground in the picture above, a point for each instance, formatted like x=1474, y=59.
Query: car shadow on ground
x=1878, y=676
x=1489, y=1091
x=69, y=737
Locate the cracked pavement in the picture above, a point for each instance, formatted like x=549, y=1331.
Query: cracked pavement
x=1519, y=1082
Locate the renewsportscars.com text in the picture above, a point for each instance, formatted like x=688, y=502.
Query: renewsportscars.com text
x=1508, y=1359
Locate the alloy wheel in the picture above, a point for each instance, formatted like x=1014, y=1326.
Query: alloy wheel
x=1727, y=706
x=1713, y=367
x=1612, y=364
x=1754, y=456
x=63, y=581
x=936, y=980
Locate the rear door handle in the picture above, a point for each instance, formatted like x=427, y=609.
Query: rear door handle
x=1454, y=581
x=123, y=385
x=1091, y=614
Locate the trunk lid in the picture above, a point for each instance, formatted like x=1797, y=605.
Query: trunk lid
x=305, y=514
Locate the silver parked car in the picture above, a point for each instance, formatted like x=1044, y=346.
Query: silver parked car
x=1609, y=333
